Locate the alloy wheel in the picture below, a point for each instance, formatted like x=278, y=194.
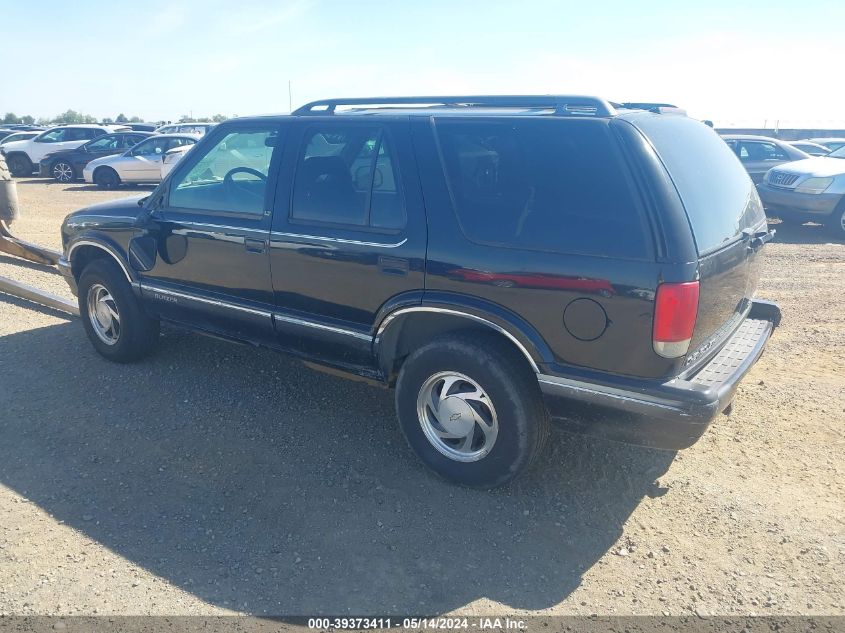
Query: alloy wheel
x=457, y=416
x=62, y=172
x=103, y=314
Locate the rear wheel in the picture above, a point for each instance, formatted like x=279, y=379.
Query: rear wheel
x=471, y=409
x=62, y=171
x=114, y=320
x=19, y=165
x=106, y=178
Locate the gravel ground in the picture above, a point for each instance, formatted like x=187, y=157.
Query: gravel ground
x=213, y=479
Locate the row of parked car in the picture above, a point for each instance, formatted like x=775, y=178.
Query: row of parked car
x=106, y=155
x=798, y=181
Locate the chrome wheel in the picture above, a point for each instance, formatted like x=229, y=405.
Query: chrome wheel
x=103, y=314
x=63, y=172
x=457, y=416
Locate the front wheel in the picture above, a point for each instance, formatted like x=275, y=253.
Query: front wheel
x=19, y=165
x=836, y=223
x=62, y=171
x=114, y=320
x=106, y=178
x=471, y=409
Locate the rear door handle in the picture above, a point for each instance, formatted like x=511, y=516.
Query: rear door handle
x=254, y=246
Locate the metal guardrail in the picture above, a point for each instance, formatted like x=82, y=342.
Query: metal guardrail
x=28, y=251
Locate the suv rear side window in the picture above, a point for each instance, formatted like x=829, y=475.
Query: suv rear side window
x=719, y=197
x=548, y=185
x=347, y=176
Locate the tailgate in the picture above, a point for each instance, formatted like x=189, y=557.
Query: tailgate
x=727, y=221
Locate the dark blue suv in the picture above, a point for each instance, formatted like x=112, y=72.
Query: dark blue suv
x=500, y=261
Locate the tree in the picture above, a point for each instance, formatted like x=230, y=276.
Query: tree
x=72, y=116
x=27, y=119
x=219, y=118
x=121, y=118
x=136, y=119
x=11, y=118
x=185, y=118
x=108, y=121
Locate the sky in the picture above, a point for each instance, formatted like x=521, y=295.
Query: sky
x=738, y=63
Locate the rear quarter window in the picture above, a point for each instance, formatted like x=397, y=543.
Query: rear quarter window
x=542, y=184
x=716, y=191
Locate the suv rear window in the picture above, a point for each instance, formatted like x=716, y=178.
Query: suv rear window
x=714, y=187
x=548, y=185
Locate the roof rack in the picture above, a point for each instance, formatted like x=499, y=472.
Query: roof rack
x=565, y=105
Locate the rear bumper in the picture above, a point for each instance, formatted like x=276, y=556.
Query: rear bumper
x=808, y=205
x=669, y=415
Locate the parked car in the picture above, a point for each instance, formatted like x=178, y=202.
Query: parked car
x=831, y=142
x=4, y=132
x=812, y=189
x=23, y=127
x=367, y=245
x=759, y=154
x=142, y=127
x=142, y=163
x=17, y=136
x=67, y=164
x=185, y=128
x=813, y=149
x=23, y=157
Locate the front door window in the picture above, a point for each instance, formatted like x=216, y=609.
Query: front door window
x=232, y=175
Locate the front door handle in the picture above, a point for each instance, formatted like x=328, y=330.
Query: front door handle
x=254, y=246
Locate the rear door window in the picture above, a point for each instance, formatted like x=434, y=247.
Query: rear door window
x=717, y=193
x=548, y=185
x=346, y=176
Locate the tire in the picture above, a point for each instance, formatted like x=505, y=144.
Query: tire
x=836, y=223
x=510, y=408
x=103, y=286
x=19, y=165
x=62, y=171
x=106, y=178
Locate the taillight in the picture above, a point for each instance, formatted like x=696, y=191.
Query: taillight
x=675, y=309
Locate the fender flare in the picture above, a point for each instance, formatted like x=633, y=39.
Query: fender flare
x=102, y=244
x=511, y=326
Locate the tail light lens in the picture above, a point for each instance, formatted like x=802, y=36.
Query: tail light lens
x=675, y=310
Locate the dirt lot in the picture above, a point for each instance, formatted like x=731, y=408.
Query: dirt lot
x=214, y=479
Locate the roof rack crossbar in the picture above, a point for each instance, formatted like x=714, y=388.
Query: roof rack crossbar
x=560, y=103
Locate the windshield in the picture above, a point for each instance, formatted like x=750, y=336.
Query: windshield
x=838, y=153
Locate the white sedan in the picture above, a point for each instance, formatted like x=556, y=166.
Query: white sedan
x=140, y=164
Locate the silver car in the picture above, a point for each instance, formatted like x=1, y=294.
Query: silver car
x=811, y=189
x=185, y=128
x=813, y=149
x=142, y=163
